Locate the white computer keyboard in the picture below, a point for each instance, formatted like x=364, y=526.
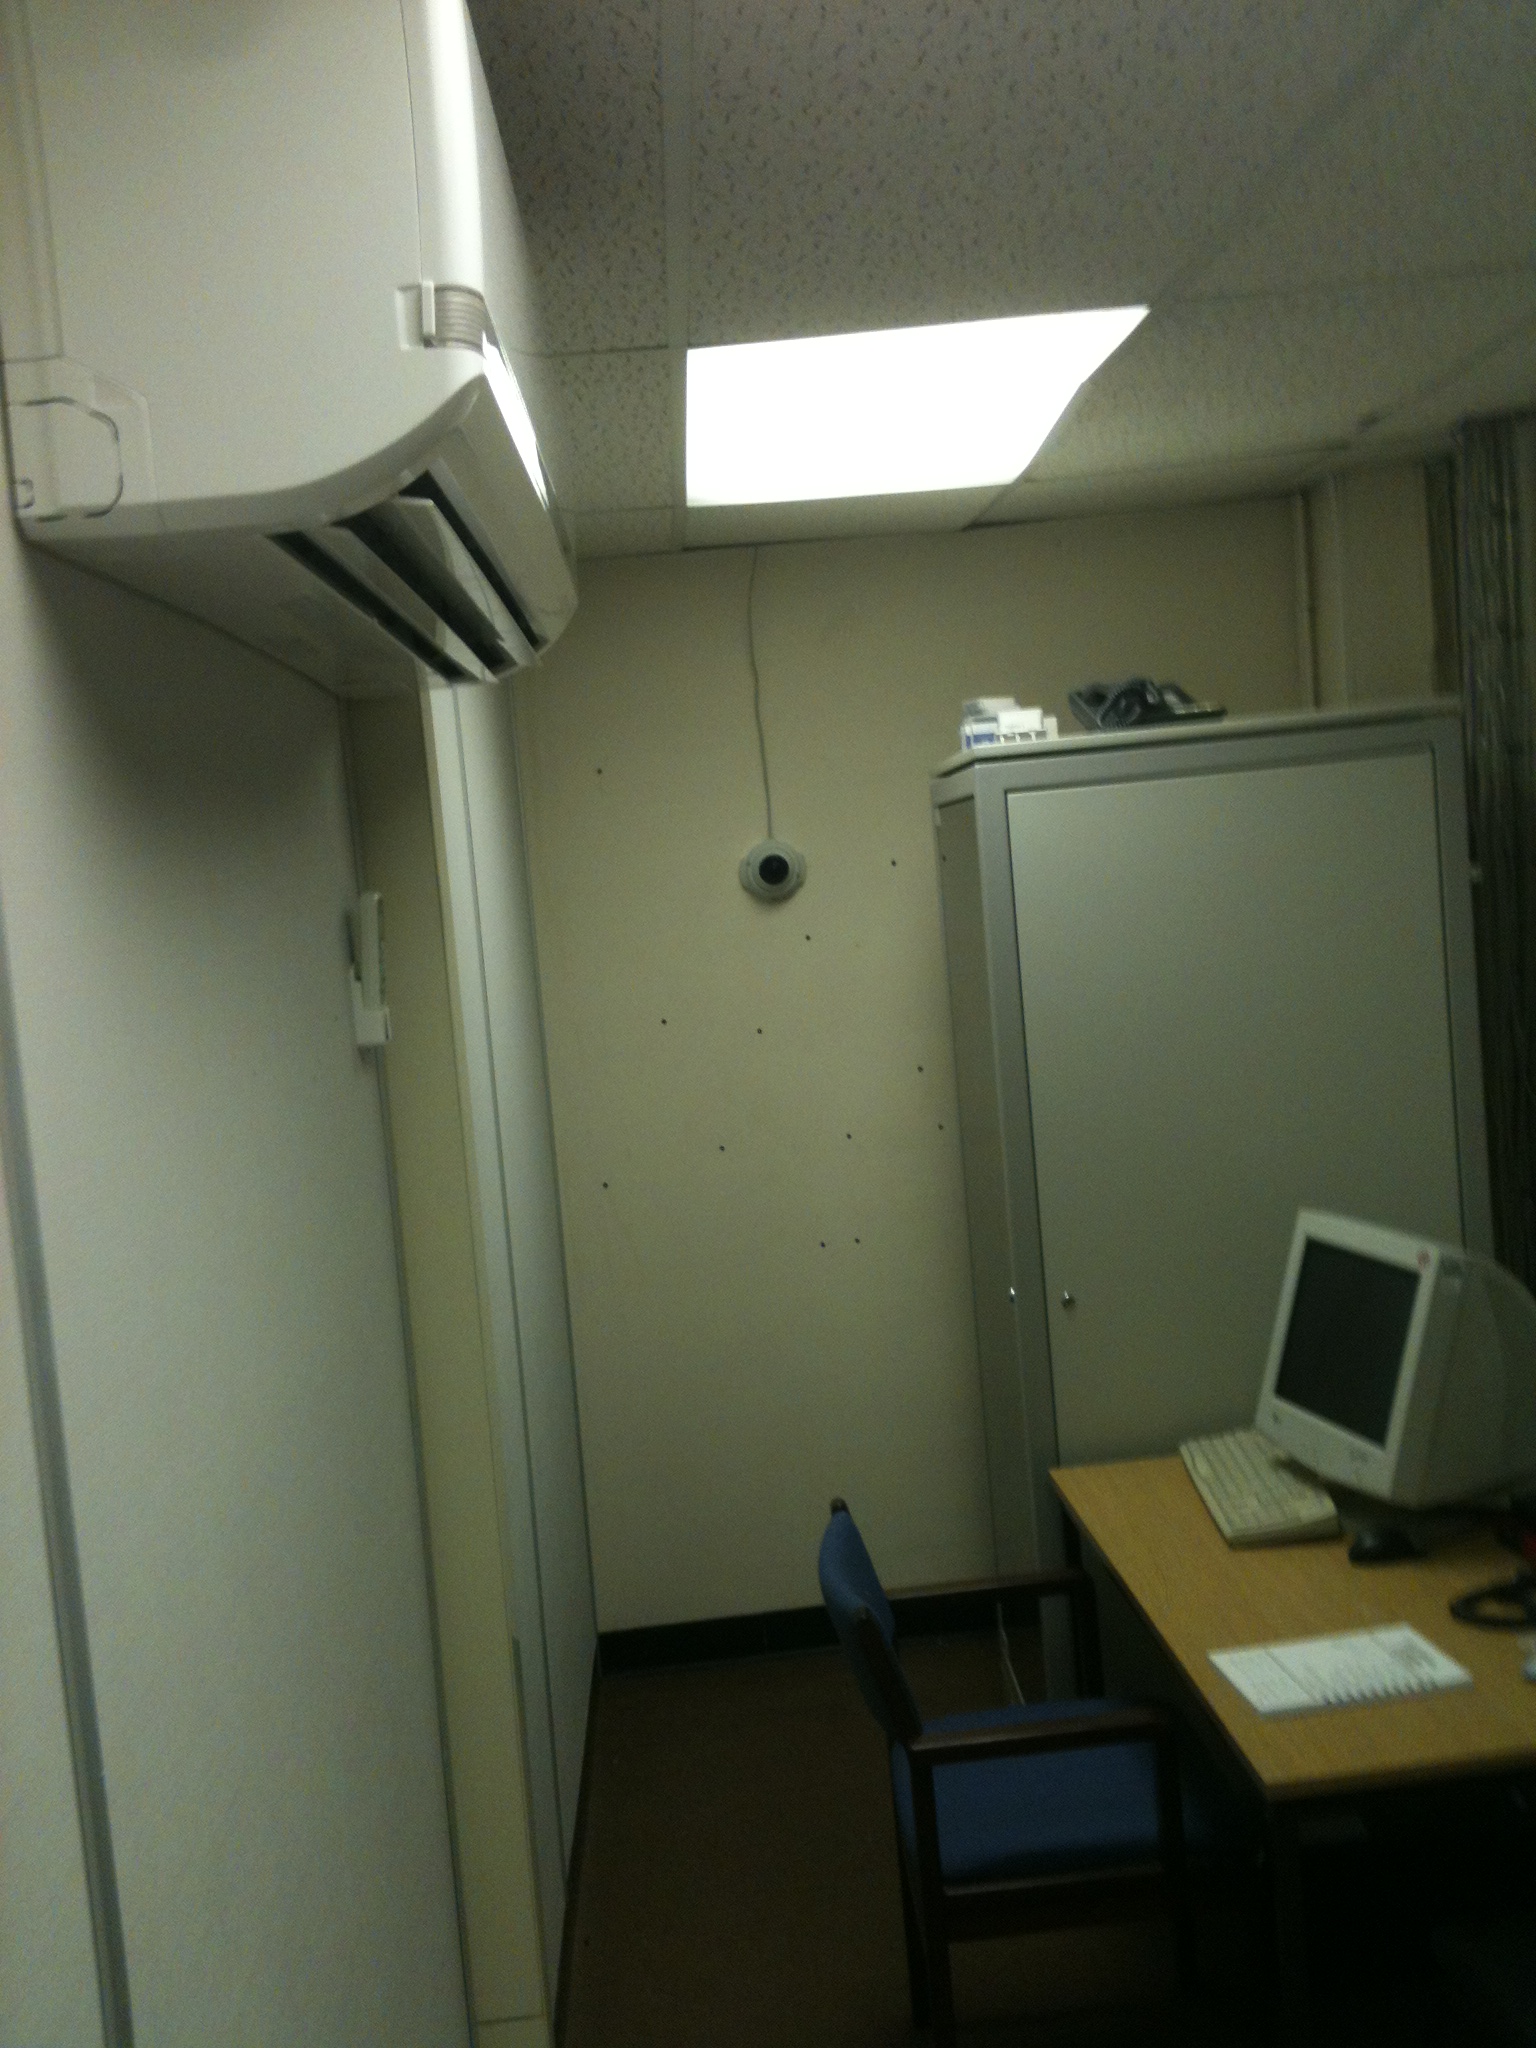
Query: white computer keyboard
x=1253, y=1495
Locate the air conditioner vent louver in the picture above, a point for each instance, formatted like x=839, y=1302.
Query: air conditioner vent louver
x=429, y=490
x=414, y=567
x=382, y=535
x=337, y=576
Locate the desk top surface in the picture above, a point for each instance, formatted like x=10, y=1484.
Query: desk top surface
x=1154, y=1533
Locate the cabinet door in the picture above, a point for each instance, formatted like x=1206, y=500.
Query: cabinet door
x=1235, y=1005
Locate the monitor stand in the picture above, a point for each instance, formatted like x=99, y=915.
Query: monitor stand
x=1382, y=1534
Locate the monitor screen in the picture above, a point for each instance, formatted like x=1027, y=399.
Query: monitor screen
x=1345, y=1339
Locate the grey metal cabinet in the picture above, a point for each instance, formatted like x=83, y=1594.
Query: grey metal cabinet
x=1198, y=979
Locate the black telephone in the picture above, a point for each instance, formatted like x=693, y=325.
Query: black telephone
x=1114, y=707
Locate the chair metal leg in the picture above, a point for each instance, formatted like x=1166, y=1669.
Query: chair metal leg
x=1170, y=1829
x=917, y=1965
x=941, y=1991
x=928, y=1906
x=1184, y=1939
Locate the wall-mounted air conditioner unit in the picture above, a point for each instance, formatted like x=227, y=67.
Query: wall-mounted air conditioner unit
x=269, y=342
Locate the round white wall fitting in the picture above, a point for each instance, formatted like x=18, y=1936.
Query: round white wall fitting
x=772, y=870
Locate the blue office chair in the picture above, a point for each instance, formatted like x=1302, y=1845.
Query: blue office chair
x=1018, y=1818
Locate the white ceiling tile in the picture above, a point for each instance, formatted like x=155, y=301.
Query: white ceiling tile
x=577, y=99
x=1195, y=483
x=826, y=518
x=1234, y=378
x=861, y=164
x=598, y=534
x=1501, y=381
x=1432, y=168
x=611, y=449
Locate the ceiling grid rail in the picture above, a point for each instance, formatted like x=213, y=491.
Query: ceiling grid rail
x=677, y=229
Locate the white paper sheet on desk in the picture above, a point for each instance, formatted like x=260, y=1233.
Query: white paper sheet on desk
x=1394, y=1663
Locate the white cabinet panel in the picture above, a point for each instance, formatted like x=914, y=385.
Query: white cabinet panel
x=1199, y=978
x=1235, y=1003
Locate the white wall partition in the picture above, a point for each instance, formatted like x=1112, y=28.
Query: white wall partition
x=473, y=765
x=533, y=1224
x=47, y=1970
x=214, y=1223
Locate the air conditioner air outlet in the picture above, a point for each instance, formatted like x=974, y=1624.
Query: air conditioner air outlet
x=424, y=638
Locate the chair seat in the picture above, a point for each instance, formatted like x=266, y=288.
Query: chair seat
x=1065, y=1810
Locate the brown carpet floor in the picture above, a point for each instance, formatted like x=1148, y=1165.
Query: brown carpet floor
x=737, y=1879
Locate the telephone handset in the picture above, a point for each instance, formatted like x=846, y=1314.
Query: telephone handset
x=1115, y=707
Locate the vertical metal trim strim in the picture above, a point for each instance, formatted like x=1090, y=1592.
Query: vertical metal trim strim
x=413, y=1402
x=67, y=1588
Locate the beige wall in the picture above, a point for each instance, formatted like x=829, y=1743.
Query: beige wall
x=762, y=1194
x=1372, y=608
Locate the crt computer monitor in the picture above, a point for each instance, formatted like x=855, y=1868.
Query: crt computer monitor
x=1402, y=1368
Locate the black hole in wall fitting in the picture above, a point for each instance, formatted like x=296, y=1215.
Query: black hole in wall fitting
x=773, y=868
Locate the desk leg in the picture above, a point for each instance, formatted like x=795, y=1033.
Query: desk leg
x=1085, y=1621
x=1293, y=2004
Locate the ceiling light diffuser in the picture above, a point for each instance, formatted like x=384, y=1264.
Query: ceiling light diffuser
x=905, y=409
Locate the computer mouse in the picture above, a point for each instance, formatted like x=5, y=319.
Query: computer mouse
x=1383, y=1546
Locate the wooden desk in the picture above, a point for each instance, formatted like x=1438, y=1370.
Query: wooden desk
x=1151, y=1528
x=1153, y=1532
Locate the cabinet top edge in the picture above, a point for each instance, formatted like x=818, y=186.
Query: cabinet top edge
x=1429, y=711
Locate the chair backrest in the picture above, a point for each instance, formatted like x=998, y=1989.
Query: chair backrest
x=865, y=1625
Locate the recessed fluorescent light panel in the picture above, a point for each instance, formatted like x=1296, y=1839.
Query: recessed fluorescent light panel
x=870, y=415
